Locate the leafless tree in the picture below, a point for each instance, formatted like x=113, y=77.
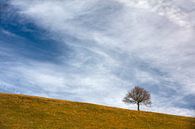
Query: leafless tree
x=138, y=96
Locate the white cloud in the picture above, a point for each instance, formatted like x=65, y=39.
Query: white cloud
x=165, y=8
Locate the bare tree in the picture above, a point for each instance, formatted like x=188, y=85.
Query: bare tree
x=138, y=96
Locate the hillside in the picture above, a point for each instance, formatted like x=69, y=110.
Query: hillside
x=26, y=112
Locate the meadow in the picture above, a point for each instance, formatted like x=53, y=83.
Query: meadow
x=30, y=112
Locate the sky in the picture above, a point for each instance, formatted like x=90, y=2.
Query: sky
x=95, y=51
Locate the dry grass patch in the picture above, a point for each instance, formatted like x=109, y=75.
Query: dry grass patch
x=27, y=112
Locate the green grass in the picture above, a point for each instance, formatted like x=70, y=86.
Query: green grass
x=27, y=112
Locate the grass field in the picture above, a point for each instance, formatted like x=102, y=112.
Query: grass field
x=27, y=112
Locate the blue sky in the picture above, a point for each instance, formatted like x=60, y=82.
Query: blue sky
x=95, y=51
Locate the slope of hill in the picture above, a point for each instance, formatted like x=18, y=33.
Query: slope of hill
x=26, y=112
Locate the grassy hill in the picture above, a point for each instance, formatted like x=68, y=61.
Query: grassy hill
x=26, y=112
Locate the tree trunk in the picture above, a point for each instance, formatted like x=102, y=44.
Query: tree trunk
x=138, y=106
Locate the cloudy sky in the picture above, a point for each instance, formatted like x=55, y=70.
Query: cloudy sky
x=95, y=51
